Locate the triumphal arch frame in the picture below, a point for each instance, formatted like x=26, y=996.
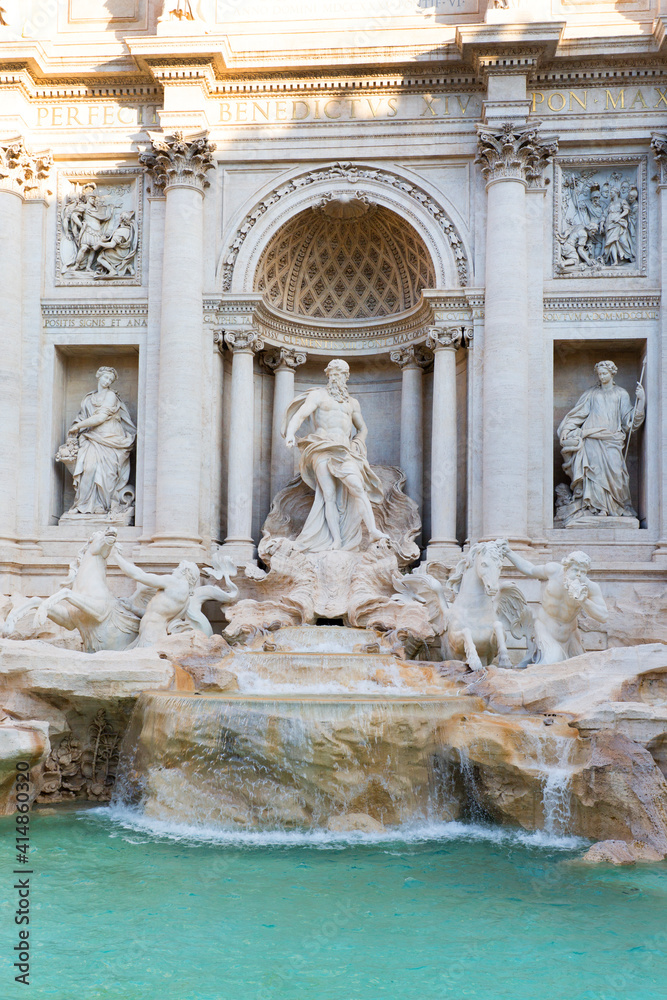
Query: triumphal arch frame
x=465, y=202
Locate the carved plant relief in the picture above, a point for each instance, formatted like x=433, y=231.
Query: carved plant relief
x=600, y=217
x=99, y=228
x=74, y=770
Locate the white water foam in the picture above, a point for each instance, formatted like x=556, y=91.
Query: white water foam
x=556, y=792
x=252, y=683
x=131, y=820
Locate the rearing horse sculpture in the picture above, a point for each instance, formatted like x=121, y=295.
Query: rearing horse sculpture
x=472, y=622
x=474, y=631
x=85, y=602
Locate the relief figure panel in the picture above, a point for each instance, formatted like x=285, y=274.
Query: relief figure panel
x=99, y=228
x=600, y=217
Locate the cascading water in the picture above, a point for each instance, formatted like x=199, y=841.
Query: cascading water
x=328, y=726
x=284, y=761
x=472, y=808
x=556, y=787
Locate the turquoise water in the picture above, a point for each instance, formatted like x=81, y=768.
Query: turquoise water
x=132, y=912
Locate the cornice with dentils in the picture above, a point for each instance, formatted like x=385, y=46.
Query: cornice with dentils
x=457, y=55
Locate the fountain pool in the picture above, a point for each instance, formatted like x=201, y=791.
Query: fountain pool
x=130, y=908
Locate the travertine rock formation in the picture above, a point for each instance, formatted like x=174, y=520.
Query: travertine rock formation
x=262, y=735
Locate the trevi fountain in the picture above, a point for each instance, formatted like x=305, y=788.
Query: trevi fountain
x=333, y=506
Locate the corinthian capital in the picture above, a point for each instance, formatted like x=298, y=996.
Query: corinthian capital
x=22, y=170
x=286, y=357
x=179, y=159
x=444, y=337
x=244, y=340
x=411, y=357
x=515, y=152
x=659, y=147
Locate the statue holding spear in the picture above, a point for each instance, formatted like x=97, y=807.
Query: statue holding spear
x=594, y=438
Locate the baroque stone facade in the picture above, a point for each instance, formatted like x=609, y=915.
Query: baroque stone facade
x=473, y=224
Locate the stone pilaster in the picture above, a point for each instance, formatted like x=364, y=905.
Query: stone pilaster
x=444, y=342
x=179, y=166
x=657, y=359
x=22, y=175
x=512, y=157
x=283, y=363
x=412, y=361
x=244, y=343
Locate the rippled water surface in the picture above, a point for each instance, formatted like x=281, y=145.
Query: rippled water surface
x=129, y=910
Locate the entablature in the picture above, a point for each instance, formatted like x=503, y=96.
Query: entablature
x=322, y=337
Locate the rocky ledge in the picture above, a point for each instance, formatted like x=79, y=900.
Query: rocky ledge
x=577, y=747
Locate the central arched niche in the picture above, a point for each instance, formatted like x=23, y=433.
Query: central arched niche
x=344, y=259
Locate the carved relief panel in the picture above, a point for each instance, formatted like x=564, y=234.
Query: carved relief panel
x=600, y=217
x=99, y=228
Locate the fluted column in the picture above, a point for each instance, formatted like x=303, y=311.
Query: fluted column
x=444, y=433
x=19, y=173
x=511, y=157
x=179, y=165
x=244, y=344
x=412, y=361
x=283, y=363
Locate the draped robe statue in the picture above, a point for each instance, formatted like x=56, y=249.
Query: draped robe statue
x=334, y=464
x=106, y=436
x=592, y=437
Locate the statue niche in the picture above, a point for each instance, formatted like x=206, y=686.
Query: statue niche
x=334, y=464
x=593, y=438
x=97, y=455
x=336, y=536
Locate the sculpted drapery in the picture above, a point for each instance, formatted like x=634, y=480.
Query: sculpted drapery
x=592, y=437
x=106, y=436
x=334, y=463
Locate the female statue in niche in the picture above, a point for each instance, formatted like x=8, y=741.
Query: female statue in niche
x=97, y=452
x=592, y=437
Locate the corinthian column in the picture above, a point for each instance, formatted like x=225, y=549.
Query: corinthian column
x=444, y=432
x=19, y=173
x=412, y=361
x=511, y=157
x=244, y=344
x=283, y=364
x=179, y=165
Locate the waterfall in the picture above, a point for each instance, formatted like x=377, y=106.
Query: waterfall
x=472, y=807
x=271, y=762
x=556, y=790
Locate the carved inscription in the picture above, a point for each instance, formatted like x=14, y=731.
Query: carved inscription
x=355, y=105
x=350, y=107
x=599, y=100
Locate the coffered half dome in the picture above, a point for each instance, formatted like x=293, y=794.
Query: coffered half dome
x=345, y=259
